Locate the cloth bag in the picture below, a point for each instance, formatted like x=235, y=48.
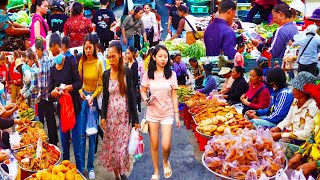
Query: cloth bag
x=67, y=115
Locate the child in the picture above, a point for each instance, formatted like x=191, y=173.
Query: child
x=238, y=58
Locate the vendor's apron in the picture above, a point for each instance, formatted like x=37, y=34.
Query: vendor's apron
x=190, y=39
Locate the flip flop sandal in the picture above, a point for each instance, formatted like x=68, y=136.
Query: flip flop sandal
x=167, y=170
x=155, y=177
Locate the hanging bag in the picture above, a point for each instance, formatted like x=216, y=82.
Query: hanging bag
x=67, y=115
x=197, y=34
x=92, y=127
x=144, y=124
x=119, y=32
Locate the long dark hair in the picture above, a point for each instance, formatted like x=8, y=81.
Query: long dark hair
x=152, y=67
x=277, y=76
x=77, y=8
x=89, y=37
x=285, y=9
x=122, y=85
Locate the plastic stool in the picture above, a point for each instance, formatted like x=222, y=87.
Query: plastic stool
x=187, y=117
x=202, y=142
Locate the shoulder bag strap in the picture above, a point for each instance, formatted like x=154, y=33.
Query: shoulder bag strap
x=132, y=25
x=194, y=31
x=257, y=93
x=306, y=46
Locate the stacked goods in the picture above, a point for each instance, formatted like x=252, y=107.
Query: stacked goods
x=65, y=170
x=26, y=124
x=207, y=104
x=32, y=135
x=28, y=160
x=25, y=111
x=214, y=121
x=246, y=152
x=196, y=99
x=184, y=93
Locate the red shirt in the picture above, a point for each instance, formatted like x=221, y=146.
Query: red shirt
x=4, y=73
x=261, y=101
x=76, y=28
x=15, y=76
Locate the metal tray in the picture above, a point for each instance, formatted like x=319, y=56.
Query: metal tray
x=193, y=114
x=195, y=122
x=225, y=177
x=204, y=135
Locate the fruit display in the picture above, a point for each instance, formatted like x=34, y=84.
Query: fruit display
x=184, y=93
x=65, y=170
x=32, y=135
x=22, y=18
x=234, y=155
x=196, y=99
x=26, y=124
x=214, y=121
x=25, y=111
x=28, y=160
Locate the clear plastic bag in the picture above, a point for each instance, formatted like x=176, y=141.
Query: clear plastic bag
x=140, y=148
x=133, y=141
x=298, y=175
x=281, y=175
x=251, y=174
x=92, y=127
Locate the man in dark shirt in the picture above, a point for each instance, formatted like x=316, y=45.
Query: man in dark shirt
x=239, y=86
x=219, y=37
x=174, y=18
x=57, y=19
x=104, y=19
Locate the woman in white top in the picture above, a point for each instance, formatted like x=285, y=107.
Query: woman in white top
x=184, y=25
x=150, y=25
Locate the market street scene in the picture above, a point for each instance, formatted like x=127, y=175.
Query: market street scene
x=159, y=89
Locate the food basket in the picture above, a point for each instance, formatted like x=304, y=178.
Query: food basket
x=193, y=114
x=225, y=177
x=84, y=178
x=195, y=122
x=204, y=135
x=34, y=171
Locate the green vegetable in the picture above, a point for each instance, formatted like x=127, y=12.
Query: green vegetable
x=196, y=50
x=87, y=3
x=13, y=3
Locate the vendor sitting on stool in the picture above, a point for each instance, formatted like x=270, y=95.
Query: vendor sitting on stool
x=226, y=73
x=210, y=81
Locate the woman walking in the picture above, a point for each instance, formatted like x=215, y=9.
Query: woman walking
x=65, y=71
x=150, y=25
x=39, y=27
x=162, y=106
x=118, y=113
x=90, y=70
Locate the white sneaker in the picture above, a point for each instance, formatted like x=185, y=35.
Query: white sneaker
x=92, y=175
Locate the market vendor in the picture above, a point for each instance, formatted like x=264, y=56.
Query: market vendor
x=180, y=69
x=219, y=36
x=307, y=158
x=316, y=18
x=13, y=36
x=280, y=103
x=239, y=86
x=4, y=136
x=187, y=23
x=258, y=96
x=226, y=73
x=210, y=82
x=197, y=72
x=298, y=124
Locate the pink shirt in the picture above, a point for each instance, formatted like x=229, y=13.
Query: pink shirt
x=35, y=18
x=238, y=60
x=160, y=88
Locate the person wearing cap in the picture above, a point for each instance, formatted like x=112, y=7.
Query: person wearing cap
x=309, y=50
x=280, y=103
x=197, y=72
x=239, y=86
x=316, y=18
x=57, y=18
x=299, y=120
x=307, y=157
x=226, y=73
x=210, y=83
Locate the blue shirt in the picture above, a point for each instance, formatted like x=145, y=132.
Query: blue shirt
x=180, y=68
x=220, y=37
x=68, y=54
x=209, y=86
x=279, y=107
x=311, y=52
x=281, y=38
x=4, y=19
x=45, y=64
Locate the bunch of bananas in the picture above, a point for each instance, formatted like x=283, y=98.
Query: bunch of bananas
x=27, y=113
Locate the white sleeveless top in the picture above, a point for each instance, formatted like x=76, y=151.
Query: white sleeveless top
x=192, y=21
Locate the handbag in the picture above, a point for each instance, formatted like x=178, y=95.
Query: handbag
x=197, y=34
x=119, y=32
x=144, y=124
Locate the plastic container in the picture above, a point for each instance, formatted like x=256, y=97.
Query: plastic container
x=244, y=6
x=198, y=2
x=199, y=9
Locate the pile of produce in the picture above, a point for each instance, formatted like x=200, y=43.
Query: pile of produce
x=184, y=93
x=32, y=135
x=175, y=45
x=214, y=121
x=22, y=18
x=196, y=50
x=27, y=157
x=13, y=3
x=27, y=123
x=65, y=170
x=265, y=28
x=196, y=99
x=86, y=3
x=25, y=111
x=249, y=151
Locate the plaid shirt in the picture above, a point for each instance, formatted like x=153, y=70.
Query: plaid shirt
x=45, y=64
x=33, y=91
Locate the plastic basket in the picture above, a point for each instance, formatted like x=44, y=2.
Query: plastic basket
x=198, y=2
x=199, y=9
x=244, y=6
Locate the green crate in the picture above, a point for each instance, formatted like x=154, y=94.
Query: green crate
x=199, y=9
x=198, y=2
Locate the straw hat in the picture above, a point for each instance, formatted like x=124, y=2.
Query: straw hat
x=224, y=70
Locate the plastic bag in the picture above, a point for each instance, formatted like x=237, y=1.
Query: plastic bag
x=310, y=178
x=140, y=148
x=14, y=140
x=298, y=175
x=133, y=141
x=251, y=174
x=67, y=115
x=92, y=127
x=281, y=175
